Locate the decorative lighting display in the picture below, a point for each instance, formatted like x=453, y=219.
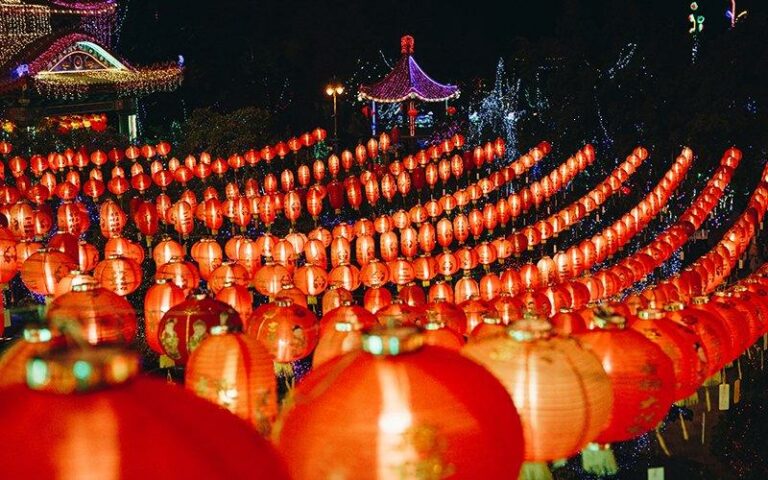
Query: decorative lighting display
x=75, y=64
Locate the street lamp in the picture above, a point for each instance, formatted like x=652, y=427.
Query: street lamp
x=334, y=90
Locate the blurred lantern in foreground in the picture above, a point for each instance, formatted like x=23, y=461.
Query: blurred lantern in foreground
x=234, y=371
x=187, y=324
x=13, y=361
x=396, y=429
x=642, y=378
x=91, y=403
x=562, y=393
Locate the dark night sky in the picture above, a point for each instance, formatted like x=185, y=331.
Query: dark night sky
x=230, y=46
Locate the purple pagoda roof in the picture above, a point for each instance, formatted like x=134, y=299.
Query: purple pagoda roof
x=407, y=81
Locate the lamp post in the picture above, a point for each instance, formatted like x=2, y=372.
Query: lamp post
x=334, y=90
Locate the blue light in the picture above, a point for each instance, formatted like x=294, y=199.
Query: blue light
x=181, y=60
x=20, y=71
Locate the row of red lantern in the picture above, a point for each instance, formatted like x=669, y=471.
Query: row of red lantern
x=446, y=264
x=177, y=171
x=237, y=209
x=637, y=266
x=269, y=206
x=81, y=158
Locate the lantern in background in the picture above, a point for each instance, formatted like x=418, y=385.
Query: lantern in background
x=288, y=331
x=188, y=323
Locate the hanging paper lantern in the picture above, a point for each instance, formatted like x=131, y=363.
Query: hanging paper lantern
x=44, y=269
x=183, y=274
x=398, y=427
x=93, y=314
x=235, y=372
x=91, y=401
x=160, y=297
x=187, y=324
x=681, y=344
x=288, y=331
x=118, y=274
x=237, y=297
x=563, y=395
x=641, y=374
x=376, y=298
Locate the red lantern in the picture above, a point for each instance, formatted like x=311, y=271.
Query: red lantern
x=487, y=447
x=288, y=331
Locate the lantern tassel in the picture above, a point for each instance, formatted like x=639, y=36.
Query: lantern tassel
x=689, y=401
x=166, y=362
x=662, y=443
x=284, y=370
x=599, y=460
x=738, y=367
x=708, y=399
x=703, y=427
x=535, y=471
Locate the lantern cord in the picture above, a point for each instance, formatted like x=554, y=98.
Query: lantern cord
x=738, y=366
x=703, y=427
x=709, y=400
x=682, y=425
x=662, y=443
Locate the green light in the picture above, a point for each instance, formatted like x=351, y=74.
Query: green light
x=82, y=370
x=375, y=345
x=37, y=373
x=394, y=346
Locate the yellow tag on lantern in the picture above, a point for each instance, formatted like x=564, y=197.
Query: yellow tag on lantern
x=725, y=397
x=736, y=391
x=656, y=473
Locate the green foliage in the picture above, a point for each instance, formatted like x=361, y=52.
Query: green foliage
x=223, y=133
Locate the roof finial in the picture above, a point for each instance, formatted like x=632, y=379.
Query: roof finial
x=406, y=45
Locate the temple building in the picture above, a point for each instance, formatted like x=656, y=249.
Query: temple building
x=406, y=84
x=56, y=61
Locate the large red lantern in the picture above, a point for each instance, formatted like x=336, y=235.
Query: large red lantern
x=642, y=377
x=72, y=389
x=398, y=427
x=539, y=370
x=117, y=274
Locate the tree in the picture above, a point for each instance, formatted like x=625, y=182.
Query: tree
x=225, y=133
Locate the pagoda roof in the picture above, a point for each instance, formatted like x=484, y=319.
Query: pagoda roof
x=407, y=81
x=76, y=65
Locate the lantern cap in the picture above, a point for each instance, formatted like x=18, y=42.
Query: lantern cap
x=37, y=334
x=650, y=314
x=81, y=370
x=674, y=307
x=700, y=299
x=218, y=330
x=606, y=318
x=343, y=326
x=86, y=286
x=381, y=341
x=530, y=328
x=492, y=319
x=283, y=301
